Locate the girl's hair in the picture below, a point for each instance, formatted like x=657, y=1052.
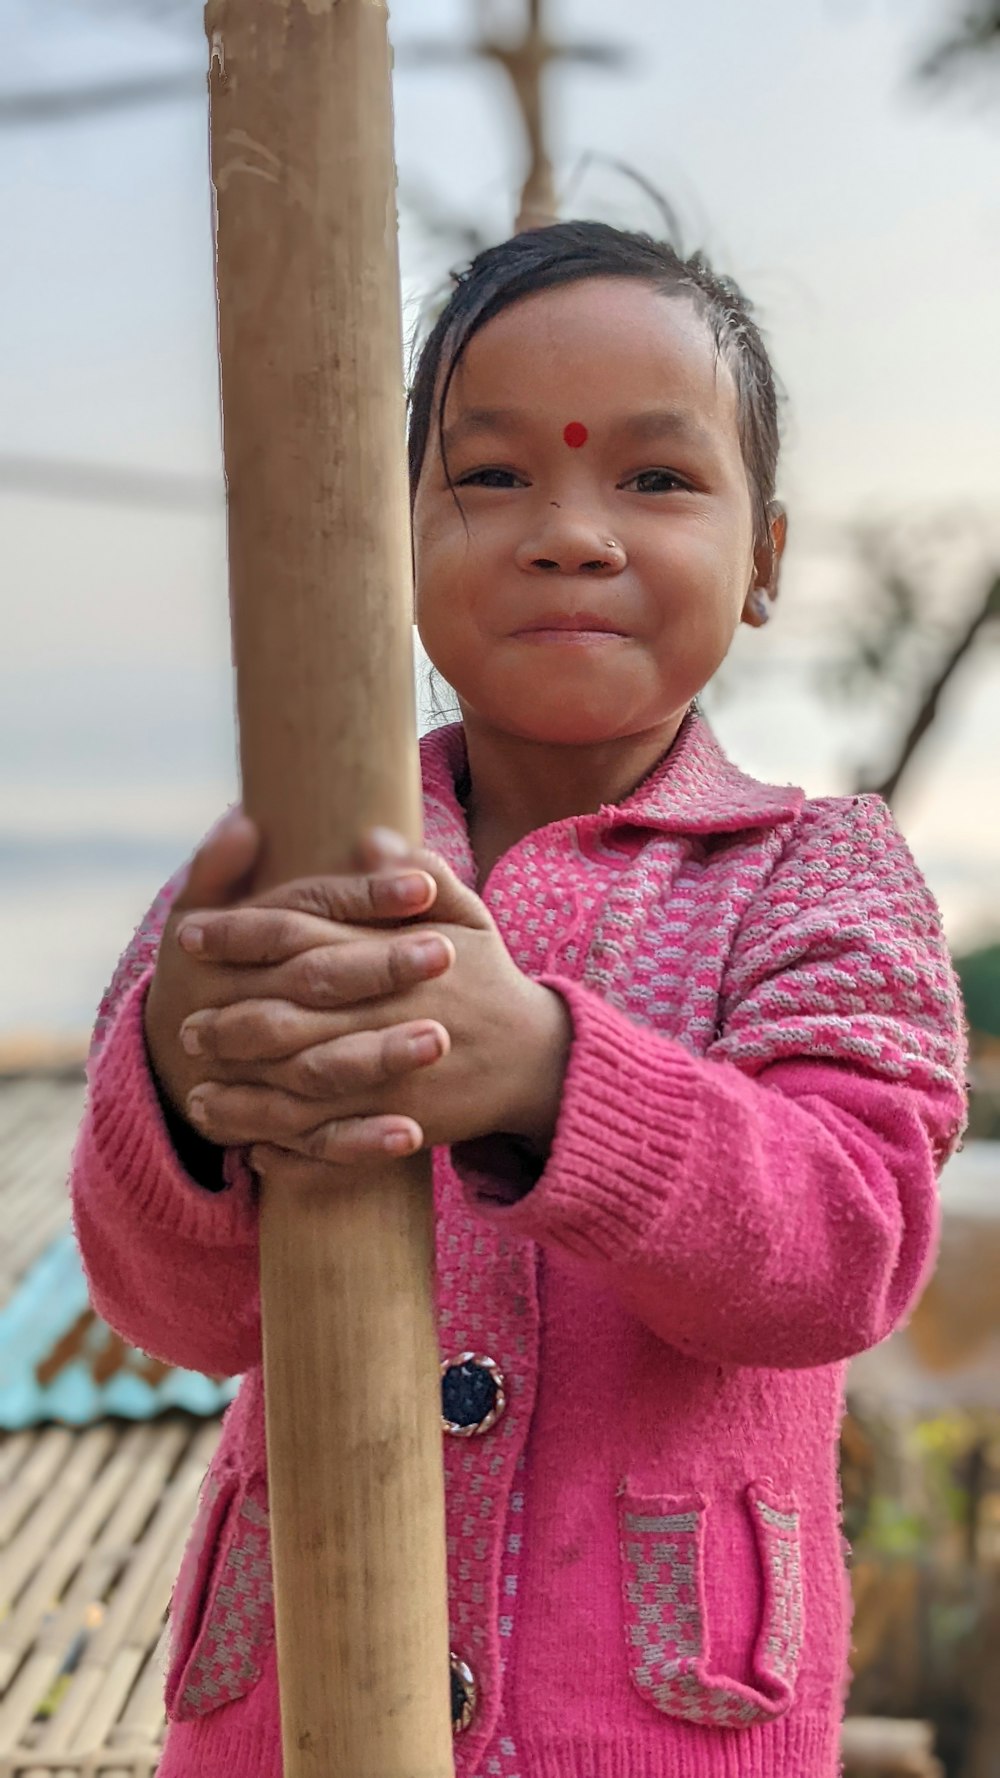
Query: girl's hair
x=566, y=253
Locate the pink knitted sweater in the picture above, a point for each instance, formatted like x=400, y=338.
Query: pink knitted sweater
x=644, y=1346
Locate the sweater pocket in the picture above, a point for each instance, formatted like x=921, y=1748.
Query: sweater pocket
x=668, y=1637
x=222, y=1610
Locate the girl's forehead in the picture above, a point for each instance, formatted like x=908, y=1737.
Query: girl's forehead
x=599, y=347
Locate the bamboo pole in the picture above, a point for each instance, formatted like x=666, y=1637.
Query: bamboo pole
x=319, y=562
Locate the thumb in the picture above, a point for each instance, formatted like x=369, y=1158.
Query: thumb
x=454, y=903
x=220, y=870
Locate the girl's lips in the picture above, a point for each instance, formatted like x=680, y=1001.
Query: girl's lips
x=578, y=628
x=569, y=636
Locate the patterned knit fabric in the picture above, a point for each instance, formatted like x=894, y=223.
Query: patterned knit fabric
x=646, y=1568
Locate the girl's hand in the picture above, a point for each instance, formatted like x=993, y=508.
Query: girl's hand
x=186, y=983
x=320, y=1057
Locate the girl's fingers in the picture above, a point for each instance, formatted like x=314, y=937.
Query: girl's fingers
x=389, y=894
x=234, y=1116
x=256, y=1031
x=351, y=1141
x=357, y=1139
x=294, y=1098
x=296, y=1003
x=296, y=1051
x=223, y=865
x=231, y=937
x=251, y=935
x=337, y=976
x=328, y=976
x=354, y=1064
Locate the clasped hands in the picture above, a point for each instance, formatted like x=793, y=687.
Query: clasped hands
x=340, y=1017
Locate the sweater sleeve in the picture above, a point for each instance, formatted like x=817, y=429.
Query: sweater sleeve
x=171, y=1266
x=773, y=1202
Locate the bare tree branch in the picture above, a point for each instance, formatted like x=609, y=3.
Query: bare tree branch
x=973, y=38
x=987, y=612
x=108, y=484
x=55, y=105
x=160, y=14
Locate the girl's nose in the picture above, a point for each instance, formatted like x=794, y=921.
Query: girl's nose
x=564, y=545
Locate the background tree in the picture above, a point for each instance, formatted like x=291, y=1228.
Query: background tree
x=972, y=36
x=897, y=638
x=903, y=647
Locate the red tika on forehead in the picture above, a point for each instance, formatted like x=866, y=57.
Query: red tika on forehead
x=575, y=434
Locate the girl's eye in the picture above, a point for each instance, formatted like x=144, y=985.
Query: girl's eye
x=656, y=481
x=490, y=478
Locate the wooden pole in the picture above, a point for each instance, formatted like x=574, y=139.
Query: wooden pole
x=525, y=60
x=309, y=339
x=527, y=67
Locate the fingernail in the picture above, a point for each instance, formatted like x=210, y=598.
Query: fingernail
x=425, y=953
x=426, y=1048
x=407, y=892
x=190, y=938
x=196, y=1108
x=389, y=842
x=190, y=1040
x=398, y=1142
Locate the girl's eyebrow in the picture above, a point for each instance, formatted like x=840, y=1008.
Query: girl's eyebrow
x=670, y=423
x=480, y=419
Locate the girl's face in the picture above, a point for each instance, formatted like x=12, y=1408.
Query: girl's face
x=645, y=526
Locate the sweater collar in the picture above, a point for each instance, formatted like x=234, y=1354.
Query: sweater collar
x=693, y=789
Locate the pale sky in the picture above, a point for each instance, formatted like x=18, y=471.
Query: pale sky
x=862, y=217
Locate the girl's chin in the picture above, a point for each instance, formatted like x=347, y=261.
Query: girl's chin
x=553, y=725
x=582, y=707
x=586, y=706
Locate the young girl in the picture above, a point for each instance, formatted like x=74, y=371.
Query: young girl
x=687, y=1048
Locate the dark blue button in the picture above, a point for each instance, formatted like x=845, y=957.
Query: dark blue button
x=463, y=1695
x=472, y=1394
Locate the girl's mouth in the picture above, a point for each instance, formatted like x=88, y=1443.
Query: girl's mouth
x=569, y=637
x=570, y=627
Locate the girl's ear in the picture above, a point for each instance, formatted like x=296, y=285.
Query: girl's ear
x=766, y=568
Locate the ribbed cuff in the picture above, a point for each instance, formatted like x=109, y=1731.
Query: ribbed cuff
x=625, y=1125
x=131, y=1144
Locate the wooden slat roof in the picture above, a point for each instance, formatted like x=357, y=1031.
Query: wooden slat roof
x=92, y=1529
x=92, y=1522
